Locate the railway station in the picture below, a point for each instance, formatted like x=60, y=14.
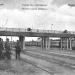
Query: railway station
x=37, y=37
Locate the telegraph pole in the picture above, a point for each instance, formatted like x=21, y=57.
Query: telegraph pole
x=51, y=27
x=6, y=24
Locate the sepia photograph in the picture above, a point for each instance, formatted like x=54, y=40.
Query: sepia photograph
x=37, y=37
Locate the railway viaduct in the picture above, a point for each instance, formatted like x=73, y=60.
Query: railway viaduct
x=44, y=34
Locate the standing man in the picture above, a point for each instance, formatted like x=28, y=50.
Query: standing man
x=7, y=49
x=1, y=48
x=18, y=49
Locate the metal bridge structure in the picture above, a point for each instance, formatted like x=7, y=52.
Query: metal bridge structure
x=44, y=34
x=34, y=32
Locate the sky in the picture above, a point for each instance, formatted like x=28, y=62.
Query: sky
x=59, y=15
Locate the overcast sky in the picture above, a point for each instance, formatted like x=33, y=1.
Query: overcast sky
x=59, y=14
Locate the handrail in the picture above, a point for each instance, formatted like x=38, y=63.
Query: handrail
x=34, y=30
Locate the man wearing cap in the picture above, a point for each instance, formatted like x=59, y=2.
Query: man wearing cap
x=18, y=49
x=7, y=49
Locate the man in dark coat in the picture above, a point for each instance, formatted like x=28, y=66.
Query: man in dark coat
x=7, y=49
x=18, y=49
x=1, y=48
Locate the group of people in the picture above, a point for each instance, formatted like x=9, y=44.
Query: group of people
x=5, y=49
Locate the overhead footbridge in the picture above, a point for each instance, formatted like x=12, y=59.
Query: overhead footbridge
x=44, y=34
x=34, y=32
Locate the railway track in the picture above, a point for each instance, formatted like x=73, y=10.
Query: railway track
x=39, y=66
x=55, y=54
x=53, y=60
x=35, y=65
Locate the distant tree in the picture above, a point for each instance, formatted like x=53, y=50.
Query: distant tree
x=29, y=29
x=65, y=31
